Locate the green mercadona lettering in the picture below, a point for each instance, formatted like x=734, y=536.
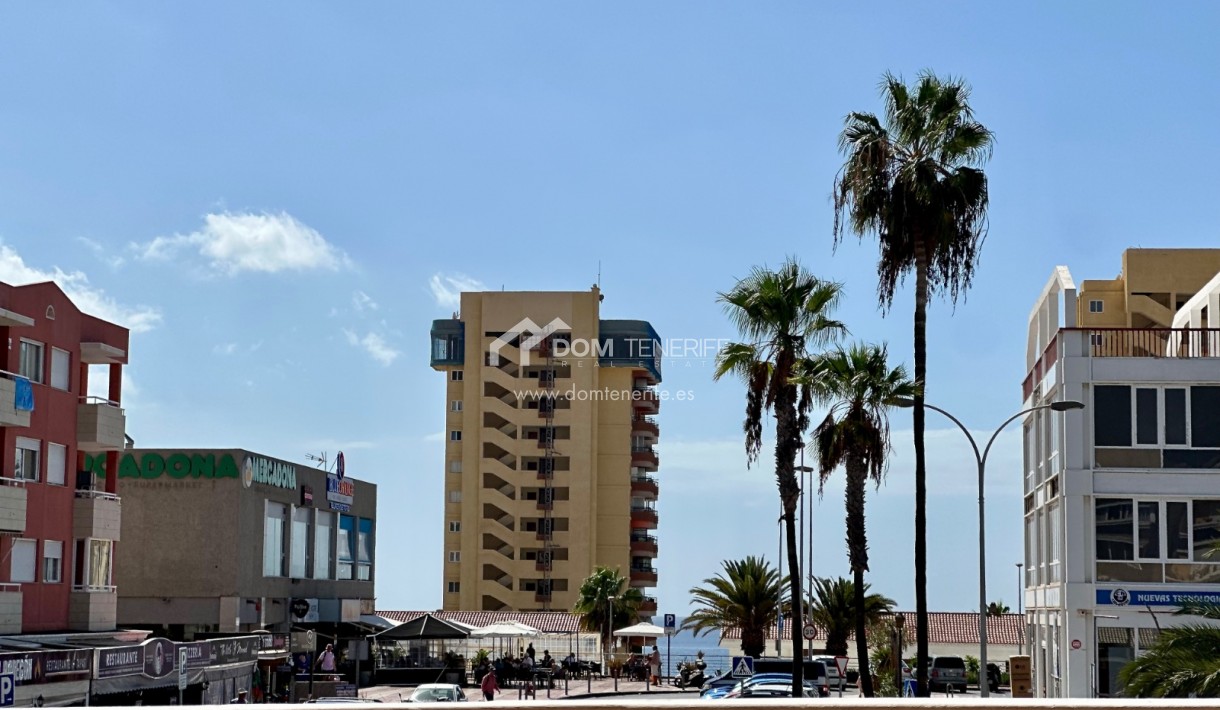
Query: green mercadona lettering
x=154, y=465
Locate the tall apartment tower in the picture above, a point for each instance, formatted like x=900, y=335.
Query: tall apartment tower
x=549, y=458
x=1122, y=499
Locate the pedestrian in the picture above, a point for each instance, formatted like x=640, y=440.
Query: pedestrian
x=489, y=686
x=530, y=651
x=654, y=666
x=326, y=661
x=240, y=699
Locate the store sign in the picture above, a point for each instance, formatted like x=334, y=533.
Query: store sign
x=155, y=658
x=306, y=496
x=339, y=493
x=257, y=469
x=32, y=667
x=304, y=610
x=152, y=466
x=1161, y=597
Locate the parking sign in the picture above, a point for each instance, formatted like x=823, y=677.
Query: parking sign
x=8, y=689
x=671, y=623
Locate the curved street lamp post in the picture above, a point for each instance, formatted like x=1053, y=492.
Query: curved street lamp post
x=981, y=460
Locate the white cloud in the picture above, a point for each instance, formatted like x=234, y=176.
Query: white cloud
x=225, y=348
x=88, y=298
x=238, y=242
x=434, y=437
x=361, y=301
x=374, y=345
x=112, y=260
x=447, y=288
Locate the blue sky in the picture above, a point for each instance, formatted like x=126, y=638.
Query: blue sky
x=279, y=198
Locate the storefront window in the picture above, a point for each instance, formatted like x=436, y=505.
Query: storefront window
x=1115, y=649
x=322, y=542
x=300, y=543
x=364, y=550
x=273, y=540
x=347, y=541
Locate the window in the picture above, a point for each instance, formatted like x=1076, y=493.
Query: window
x=1096, y=306
x=455, y=466
x=298, y=562
x=1175, y=416
x=1205, y=416
x=455, y=526
x=1206, y=529
x=1177, y=531
x=453, y=587
x=61, y=369
x=1149, y=530
x=25, y=465
x=273, y=539
x=1056, y=535
x=57, y=464
x=455, y=376
x=31, y=361
x=322, y=541
x=455, y=556
x=1115, y=533
x=22, y=557
x=346, y=556
x=52, y=561
x=364, y=550
x=92, y=571
x=455, y=435
x=1112, y=415
x=1146, y=416
x=1164, y=416
x=455, y=405
x=455, y=496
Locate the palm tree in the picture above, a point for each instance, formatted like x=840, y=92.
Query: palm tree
x=834, y=610
x=747, y=596
x=605, y=601
x=1183, y=663
x=858, y=385
x=916, y=183
x=781, y=315
x=997, y=608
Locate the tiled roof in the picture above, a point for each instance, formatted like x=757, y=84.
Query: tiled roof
x=944, y=627
x=557, y=622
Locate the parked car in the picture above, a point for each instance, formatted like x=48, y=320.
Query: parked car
x=719, y=691
x=341, y=701
x=947, y=672
x=833, y=679
x=773, y=689
x=437, y=693
x=814, y=671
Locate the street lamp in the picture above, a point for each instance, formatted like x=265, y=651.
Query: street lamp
x=981, y=459
x=1020, y=599
x=609, y=626
x=806, y=575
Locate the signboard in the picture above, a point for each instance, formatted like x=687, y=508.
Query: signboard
x=31, y=667
x=809, y=632
x=265, y=471
x=304, y=610
x=152, y=465
x=306, y=496
x=1142, y=597
x=841, y=664
x=1075, y=644
x=743, y=666
x=182, y=661
x=339, y=493
x=345, y=690
x=158, y=658
x=349, y=610
x=671, y=623
x=8, y=690
x=340, y=466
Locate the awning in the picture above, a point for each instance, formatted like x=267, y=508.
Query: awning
x=425, y=627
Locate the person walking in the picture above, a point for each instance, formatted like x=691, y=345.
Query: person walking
x=326, y=661
x=489, y=686
x=654, y=666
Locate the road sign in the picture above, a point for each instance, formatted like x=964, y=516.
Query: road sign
x=182, y=668
x=809, y=631
x=671, y=623
x=8, y=690
x=1075, y=644
x=743, y=666
x=841, y=664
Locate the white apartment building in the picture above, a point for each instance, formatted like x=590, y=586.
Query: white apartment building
x=1122, y=499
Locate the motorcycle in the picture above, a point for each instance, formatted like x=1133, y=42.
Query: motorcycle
x=691, y=674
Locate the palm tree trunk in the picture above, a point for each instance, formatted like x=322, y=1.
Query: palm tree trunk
x=857, y=552
x=921, y=471
x=787, y=441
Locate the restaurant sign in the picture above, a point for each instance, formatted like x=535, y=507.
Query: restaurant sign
x=155, y=658
x=31, y=667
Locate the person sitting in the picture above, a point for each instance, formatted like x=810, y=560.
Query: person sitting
x=547, y=661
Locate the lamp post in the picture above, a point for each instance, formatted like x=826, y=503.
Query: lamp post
x=981, y=459
x=900, y=621
x=609, y=626
x=806, y=574
x=1020, y=599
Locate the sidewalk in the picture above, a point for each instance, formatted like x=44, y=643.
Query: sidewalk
x=577, y=688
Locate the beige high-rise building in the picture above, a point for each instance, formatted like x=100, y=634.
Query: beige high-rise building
x=549, y=458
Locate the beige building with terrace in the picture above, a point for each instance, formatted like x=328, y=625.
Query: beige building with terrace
x=550, y=465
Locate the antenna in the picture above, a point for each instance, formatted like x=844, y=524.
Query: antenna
x=599, y=273
x=320, y=459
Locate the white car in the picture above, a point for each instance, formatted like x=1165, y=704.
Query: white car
x=833, y=679
x=437, y=693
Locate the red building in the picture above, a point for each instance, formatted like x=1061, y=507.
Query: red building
x=58, y=530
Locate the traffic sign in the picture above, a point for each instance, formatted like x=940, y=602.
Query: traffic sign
x=8, y=690
x=671, y=623
x=809, y=631
x=743, y=666
x=841, y=664
x=182, y=668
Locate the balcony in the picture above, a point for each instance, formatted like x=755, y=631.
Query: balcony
x=645, y=425
x=642, y=517
x=647, y=606
x=645, y=399
x=92, y=608
x=645, y=456
x=10, y=608
x=11, y=415
x=101, y=425
x=448, y=343
x=644, y=545
x=543, y=566
x=643, y=576
x=645, y=486
x=542, y=597
x=96, y=514
x=12, y=505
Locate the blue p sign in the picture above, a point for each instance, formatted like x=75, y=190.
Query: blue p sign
x=671, y=621
x=7, y=690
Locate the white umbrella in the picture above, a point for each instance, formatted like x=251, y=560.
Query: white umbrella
x=506, y=629
x=642, y=629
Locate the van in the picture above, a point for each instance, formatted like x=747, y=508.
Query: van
x=947, y=673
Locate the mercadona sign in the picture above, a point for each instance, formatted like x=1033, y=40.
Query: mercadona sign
x=181, y=465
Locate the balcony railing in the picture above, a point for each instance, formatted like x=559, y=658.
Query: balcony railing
x=644, y=484
x=645, y=455
x=645, y=424
x=648, y=516
x=94, y=588
x=1151, y=342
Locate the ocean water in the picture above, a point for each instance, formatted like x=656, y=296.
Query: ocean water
x=684, y=645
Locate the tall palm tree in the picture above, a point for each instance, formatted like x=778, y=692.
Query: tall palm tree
x=1183, y=663
x=781, y=315
x=747, y=596
x=858, y=386
x=605, y=601
x=915, y=182
x=998, y=608
x=834, y=610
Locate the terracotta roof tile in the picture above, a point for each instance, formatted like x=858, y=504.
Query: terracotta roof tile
x=944, y=627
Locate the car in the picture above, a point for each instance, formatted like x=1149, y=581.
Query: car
x=833, y=679
x=341, y=701
x=721, y=688
x=817, y=685
x=437, y=693
x=947, y=673
x=814, y=670
x=773, y=689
